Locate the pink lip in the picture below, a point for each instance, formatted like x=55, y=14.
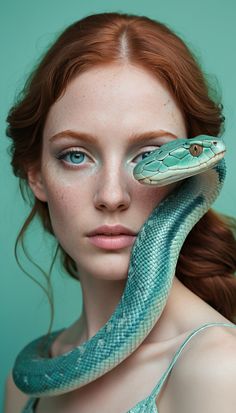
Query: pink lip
x=112, y=237
x=111, y=230
x=112, y=242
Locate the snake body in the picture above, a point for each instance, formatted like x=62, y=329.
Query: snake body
x=152, y=266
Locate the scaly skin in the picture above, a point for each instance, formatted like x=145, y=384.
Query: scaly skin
x=152, y=267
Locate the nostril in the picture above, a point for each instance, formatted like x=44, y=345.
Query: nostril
x=214, y=143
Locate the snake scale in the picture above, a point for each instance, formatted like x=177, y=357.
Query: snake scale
x=152, y=266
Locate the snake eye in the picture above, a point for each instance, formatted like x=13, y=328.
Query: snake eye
x=195, y=149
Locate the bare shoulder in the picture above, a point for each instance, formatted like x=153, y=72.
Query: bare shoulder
x=205, y=373
x=15, y=400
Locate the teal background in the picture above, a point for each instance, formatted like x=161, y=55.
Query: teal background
x=26, y=29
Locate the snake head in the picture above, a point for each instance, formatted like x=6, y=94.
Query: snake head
x=179, y=159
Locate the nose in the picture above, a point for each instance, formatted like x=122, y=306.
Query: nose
x=112, y=188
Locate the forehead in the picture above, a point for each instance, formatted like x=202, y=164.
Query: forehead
x=124, y=94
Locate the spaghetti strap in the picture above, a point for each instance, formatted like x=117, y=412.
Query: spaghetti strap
x=149, y=403
x=159, y=385
x=30, y=405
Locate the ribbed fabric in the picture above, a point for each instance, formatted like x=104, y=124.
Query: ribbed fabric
x=148, y=405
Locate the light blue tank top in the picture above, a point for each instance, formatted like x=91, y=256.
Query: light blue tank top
x=147, y=405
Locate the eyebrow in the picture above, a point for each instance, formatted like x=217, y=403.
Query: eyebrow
x=134, y=137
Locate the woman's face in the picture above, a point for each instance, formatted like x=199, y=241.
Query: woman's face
x=94, y=184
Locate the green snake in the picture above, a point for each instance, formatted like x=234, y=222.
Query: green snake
x=152, y=266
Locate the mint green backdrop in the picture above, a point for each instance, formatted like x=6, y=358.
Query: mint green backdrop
x=27, y=27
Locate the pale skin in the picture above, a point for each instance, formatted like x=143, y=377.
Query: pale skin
x=112, y=103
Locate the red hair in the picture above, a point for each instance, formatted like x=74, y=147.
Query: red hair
x=207, y=260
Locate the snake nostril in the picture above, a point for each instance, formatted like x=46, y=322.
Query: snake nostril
x=214, y=143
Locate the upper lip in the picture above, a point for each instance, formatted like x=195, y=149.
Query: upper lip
x=111, y=230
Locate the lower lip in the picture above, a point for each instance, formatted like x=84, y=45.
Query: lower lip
x=112, y=242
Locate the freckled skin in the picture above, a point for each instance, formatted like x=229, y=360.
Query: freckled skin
x=112, y=102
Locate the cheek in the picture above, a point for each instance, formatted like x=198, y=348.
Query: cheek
x=65, y=208
x=150, y=197
x=63, y=194
x=64, y=203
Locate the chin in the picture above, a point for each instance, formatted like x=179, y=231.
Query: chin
x=110, y=276
x=108, y=273
x=110, y=267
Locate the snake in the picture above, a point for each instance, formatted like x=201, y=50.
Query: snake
x=197, y=161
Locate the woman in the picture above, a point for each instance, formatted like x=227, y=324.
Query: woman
x=107, y=80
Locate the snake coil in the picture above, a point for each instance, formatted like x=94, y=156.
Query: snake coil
x=152, y=266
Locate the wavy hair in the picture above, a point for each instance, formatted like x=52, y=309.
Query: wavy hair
x=207, y=261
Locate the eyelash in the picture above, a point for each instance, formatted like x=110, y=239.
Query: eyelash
x=61, y=156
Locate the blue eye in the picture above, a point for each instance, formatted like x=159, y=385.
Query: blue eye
x=73, y=156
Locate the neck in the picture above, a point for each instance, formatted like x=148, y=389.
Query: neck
x=100, y=298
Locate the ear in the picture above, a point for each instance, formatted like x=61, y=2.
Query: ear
x=35, y=182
